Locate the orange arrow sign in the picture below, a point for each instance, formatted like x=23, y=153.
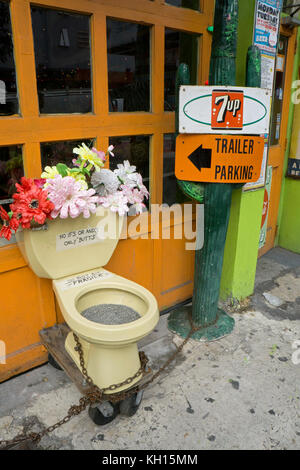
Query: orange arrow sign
x=218, y=158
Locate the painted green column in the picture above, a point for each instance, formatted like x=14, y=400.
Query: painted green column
x=217, y=197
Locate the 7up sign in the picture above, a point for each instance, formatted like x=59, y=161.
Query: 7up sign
x=230, y=110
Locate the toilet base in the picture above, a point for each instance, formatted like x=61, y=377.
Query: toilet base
x=54, y=339
x=107, y=365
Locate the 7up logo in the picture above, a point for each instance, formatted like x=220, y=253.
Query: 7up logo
x=227, y=109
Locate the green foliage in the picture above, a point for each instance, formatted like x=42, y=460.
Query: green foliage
x=62, y=169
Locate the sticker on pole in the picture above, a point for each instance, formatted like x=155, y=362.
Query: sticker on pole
x=218, y=158
x=232, y=110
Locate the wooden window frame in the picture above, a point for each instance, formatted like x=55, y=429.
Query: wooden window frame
x=30, y=128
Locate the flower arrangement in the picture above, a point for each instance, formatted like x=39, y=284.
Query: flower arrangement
x=69, y=192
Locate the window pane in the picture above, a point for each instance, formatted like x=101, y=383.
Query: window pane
x=136, y=150
x=11, y=171
x=63, y=61
x=192, y=4
x=179, y=48
x=128, y=60
x=61, y=152
x=171, y=192
x=8, y=86
x=279, y=90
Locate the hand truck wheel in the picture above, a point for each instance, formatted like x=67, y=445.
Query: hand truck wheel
x=104, y=413
x=130, y=405
x=53, y=362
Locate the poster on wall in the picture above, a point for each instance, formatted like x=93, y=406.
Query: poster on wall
x=265, y=37
x=264, y=220
x=261, y=181
x=267, y=24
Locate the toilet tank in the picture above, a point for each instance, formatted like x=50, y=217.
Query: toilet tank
x=69, y=246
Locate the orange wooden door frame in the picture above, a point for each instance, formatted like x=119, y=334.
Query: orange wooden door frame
x=277, y=152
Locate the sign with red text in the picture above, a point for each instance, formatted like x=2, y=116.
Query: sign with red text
x=230, y=110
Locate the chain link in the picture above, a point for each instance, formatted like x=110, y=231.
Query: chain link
x=97, y=395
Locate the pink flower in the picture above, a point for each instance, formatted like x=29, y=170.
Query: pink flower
x=132, y=194
x=75, y=163
x=99, y=154
x=139, y=207
x=136, y=199
x=69, y=198
x=116, y=202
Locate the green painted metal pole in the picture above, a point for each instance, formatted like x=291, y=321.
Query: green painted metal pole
x=253, y=68
x=192, y=190
x=217, y=197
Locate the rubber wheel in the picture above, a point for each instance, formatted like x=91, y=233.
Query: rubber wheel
x=53, y=362
x=130, y=405
x=104, y=413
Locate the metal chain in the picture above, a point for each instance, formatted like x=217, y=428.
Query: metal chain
x=96, y=394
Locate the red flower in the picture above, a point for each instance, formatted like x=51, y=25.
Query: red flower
x=3, y=214
x=26, y=184
x=9, y=224
x=40, y=182
x=31, y=203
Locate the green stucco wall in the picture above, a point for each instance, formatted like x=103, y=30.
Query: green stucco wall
x=241, y=250
x=289, y=237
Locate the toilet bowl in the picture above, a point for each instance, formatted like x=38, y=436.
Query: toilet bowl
x=72, y=253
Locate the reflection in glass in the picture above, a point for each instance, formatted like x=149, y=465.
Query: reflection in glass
x=171, y=192
x=192, y=4
x=63, y=61
x=11, y=171
x=128, y=60
x=8, y=85
x=136, y=150
x=180, y=47
x=61, y=152
x=277, y=100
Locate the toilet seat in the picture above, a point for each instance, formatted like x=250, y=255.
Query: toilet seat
x=97, y=285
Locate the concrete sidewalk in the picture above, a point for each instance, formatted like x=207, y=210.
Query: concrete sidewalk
x=240, y=392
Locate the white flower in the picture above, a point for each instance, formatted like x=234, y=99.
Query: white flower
x=116, y=202
x=110, y=149
x=124, y=169
x=105, y=182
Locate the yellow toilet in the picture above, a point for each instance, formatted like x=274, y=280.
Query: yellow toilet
x=72, y=252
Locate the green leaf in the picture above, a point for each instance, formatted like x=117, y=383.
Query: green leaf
x=85, y=171
x=62, y=169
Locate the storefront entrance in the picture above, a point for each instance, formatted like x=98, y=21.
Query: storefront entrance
x=280, y=115
x=103, y=73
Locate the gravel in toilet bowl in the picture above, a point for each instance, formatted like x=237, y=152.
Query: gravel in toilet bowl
x=110, y=314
